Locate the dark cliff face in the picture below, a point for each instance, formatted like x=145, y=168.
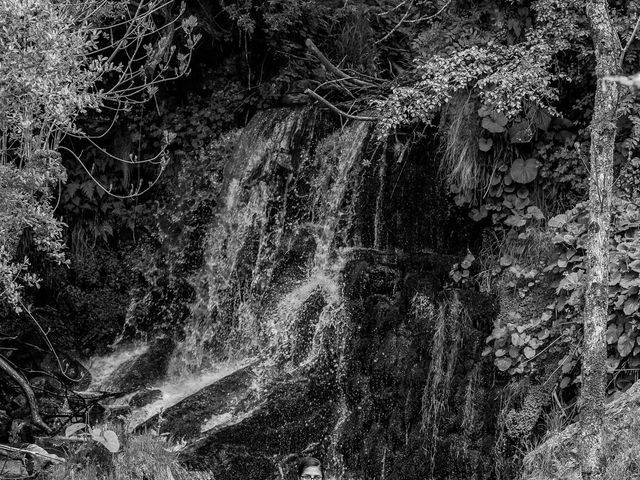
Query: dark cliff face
x=328, y=258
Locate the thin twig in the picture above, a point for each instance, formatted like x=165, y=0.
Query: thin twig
x=333, y=69
x=424, y=19
x=402, y=20
x=323, y=100
x=633, y=35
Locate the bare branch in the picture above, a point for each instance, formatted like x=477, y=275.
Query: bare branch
x=402, y=20
x=333, y=69
x=36, y=419
x=633, y=35
x=331, y=106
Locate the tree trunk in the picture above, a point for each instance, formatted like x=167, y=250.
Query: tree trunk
x=603, y=133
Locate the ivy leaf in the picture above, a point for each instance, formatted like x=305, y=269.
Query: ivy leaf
x=535, y=212
x=492, y=126
x=485, y=144
x=558, y=221
x=529, y=352
x=566, y=381
x=570, y=282
x=631, y=306
x=503, y=363
x=524, y=171
x=629, y=281
x=478, y=214
x=515, y=221
x=625, y=345
x=635, y=266
x=614, y=278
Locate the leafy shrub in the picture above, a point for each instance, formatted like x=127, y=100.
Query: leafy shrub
x=517, y=347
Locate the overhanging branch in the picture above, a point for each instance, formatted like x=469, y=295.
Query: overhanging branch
x=331, y=106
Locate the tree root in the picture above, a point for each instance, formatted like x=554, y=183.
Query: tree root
x=36, y=419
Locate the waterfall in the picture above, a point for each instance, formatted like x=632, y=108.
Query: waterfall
x=319, y=324
x=273, y=253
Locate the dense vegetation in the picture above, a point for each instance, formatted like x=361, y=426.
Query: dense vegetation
x=116, y=119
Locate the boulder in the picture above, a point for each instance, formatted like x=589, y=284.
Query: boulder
x=206, y=408
x=557, y=458
x=146, y=370
x=297, y=414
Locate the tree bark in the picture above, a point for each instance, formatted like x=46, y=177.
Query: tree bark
x=603, y=132
x=36, y=419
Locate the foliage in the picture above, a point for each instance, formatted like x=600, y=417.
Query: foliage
x=519, y=347
x=510, y=75
x=58, y=62
x=141, y=457
x=27, y=194
x=105, y=437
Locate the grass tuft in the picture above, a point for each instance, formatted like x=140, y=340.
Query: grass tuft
x=141, y=457
x=460, y=162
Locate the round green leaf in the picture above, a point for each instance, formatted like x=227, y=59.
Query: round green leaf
x=503, y=363
x=625, y=345
x=524, y=171
x=485, y=144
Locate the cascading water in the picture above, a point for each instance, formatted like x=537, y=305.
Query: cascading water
x=283, y=216
x=302, y=337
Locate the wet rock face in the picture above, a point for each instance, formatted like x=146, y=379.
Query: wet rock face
x=391, y=371
x=144, y=370
x=145, y=397
x=359, y=407
x=225, y=399
x=331, y=254
x=297, y=413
